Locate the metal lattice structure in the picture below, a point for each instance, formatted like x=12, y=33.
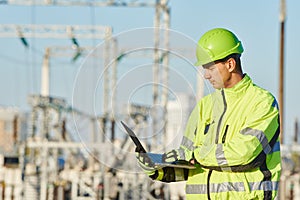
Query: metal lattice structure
x=99, y=3
x=161, y=22
x=55, y=31
x=24, y=31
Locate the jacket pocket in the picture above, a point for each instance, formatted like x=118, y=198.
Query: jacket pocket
x=208, y=126
x=225, y=133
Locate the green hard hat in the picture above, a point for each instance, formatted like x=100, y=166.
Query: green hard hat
x=216, y=44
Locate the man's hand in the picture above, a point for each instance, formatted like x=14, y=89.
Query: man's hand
x=145, y=163
x=192, y=161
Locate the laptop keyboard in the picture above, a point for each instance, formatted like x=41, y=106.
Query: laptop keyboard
x=155, y=157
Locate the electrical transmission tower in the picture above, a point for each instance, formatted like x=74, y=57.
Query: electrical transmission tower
x=160, y=66
x=47, y=111
x=161, y=24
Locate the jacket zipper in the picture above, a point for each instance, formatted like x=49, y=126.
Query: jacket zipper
x=208, y=181
x=221, y=118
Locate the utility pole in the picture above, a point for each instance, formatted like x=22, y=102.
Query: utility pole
x=281, y=67
x=295, y=139
x=165, y=72
x=160, y=95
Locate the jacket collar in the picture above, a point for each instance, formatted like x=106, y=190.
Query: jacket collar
x=238, y=89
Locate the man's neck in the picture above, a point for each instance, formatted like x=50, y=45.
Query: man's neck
x=234, y=79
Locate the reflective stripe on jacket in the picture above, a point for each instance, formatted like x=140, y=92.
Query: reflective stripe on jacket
x=234, y=134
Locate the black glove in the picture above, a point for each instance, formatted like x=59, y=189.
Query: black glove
x=145, y=163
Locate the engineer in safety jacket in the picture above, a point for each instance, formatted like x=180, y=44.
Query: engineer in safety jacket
x=232, y=136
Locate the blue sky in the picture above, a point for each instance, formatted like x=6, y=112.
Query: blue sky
x=255, y=22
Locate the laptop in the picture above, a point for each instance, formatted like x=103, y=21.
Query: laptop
x=157, y=159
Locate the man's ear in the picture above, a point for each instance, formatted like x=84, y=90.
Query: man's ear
x=231, y=64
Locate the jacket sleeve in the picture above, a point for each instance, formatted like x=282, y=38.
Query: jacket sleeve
x=171, y=174
x=186, y=148
x=249, y=147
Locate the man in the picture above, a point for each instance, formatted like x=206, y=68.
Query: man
x=232, y=136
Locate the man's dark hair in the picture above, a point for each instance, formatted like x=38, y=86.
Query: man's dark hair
x=236, y=57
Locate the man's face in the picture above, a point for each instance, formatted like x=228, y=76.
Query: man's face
x=217, y=74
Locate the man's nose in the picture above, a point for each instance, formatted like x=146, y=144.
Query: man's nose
x=206, y=74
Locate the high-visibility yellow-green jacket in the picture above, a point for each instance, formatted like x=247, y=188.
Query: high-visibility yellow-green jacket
x=233, y=134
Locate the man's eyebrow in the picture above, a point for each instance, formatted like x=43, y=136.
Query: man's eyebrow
x=208, y=65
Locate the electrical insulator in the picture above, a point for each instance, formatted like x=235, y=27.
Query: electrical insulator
x=63, y=130
x=15, y=129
